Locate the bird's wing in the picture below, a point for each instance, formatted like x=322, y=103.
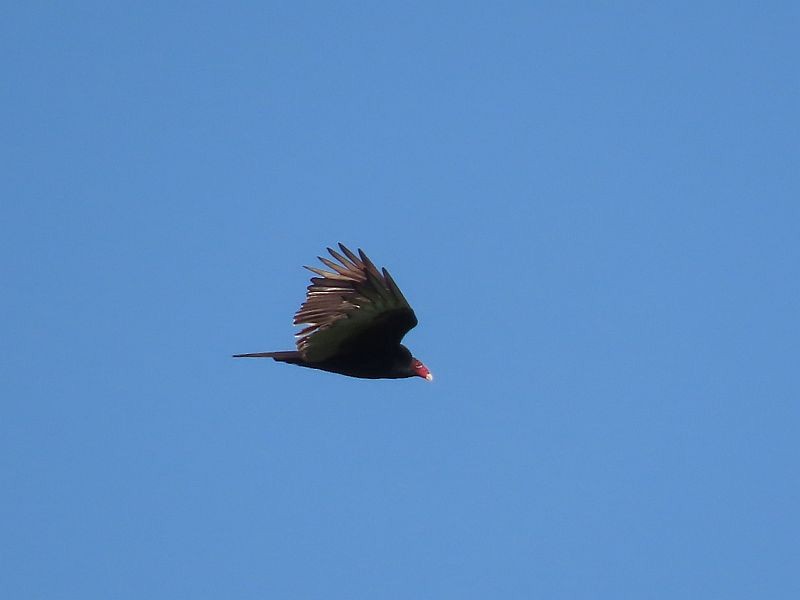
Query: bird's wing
x=352, y=308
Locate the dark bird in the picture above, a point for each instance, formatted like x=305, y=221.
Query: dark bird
x=355, y=318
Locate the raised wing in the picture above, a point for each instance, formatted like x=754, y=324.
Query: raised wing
x=352, y=308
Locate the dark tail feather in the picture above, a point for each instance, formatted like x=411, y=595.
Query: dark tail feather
x=288, y=356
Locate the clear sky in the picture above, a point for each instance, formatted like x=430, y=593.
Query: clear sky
x=594, y=209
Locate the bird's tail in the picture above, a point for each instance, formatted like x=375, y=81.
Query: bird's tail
x=287, y=356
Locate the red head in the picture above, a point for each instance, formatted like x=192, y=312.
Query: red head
x=421, y=370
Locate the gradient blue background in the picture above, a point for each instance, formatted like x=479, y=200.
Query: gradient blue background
x=594, y=209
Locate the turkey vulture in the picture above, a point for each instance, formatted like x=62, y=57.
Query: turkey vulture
x=355, y=317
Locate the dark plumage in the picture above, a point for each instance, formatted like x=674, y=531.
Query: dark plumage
x=355, y=318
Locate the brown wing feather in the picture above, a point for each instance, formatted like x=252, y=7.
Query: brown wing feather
x=352, y=307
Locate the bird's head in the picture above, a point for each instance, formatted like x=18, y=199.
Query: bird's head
x=421, y=370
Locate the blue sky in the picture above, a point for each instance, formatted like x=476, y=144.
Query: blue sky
x=593, y=209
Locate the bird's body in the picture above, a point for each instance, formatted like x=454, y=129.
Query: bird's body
x=355, y=318
x=370, y=365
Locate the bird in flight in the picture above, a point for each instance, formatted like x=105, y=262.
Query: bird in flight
x=355, y=317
